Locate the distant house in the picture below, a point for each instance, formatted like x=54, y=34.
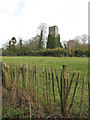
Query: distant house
x=71, y=44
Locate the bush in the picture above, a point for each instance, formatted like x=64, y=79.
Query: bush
x=57, y=52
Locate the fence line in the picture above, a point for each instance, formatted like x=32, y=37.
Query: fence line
x=47, y=92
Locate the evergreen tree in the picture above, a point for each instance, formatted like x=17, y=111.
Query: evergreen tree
x=40, y=42
x=9, y=47
x=20, y=44
x=13, y=40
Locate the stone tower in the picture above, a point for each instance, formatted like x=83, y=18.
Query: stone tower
x=53, y=31
x=53, y=40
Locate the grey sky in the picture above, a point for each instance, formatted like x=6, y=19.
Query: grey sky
x=20, y=18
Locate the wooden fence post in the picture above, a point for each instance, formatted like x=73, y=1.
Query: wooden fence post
x=33, y=77
x=46, y=84
x=68, y=90
x=44, y=88
x=67, y=79
x=49, y=86
x=64, y=90
x=82, y=91
x=58, y=83
x=28, y=90
x=37, y=90
x=61, y=93
x=74, y=93
x=64, y=81
x=53, y=86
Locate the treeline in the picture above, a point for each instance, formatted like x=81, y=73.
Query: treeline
x=33, y=47
x=40, y=45
x=58, y=52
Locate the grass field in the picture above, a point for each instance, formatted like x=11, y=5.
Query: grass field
x=74, y=64
x=77, y=64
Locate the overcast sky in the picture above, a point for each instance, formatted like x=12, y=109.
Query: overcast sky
x=20, y=18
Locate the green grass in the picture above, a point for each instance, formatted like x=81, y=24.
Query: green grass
x=77, y=64
x=74, y=64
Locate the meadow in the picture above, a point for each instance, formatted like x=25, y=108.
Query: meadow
x=74, y=64
x=77, y=64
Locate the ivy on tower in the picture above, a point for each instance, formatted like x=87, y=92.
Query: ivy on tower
x=53, y=38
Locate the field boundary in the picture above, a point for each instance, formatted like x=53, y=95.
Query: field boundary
x=46, y=94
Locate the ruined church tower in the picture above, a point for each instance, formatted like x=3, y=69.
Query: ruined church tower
x=53, y=31
x=53, y=38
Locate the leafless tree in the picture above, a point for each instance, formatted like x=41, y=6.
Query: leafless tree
x=42, y=33
x=84, y=38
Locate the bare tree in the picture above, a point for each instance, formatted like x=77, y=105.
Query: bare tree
x=77, y=39
x=42, y=32
x=79, y=42
x=84, y=38
x=64, y=43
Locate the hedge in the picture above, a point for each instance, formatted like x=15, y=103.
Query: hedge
x=58, y=52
